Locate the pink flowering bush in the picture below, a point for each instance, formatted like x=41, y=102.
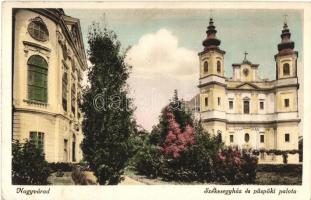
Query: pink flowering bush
x=177, y=141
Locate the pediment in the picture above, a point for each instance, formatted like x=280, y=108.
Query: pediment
x=247, y=86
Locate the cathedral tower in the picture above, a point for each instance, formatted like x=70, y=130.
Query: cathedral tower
x=212, y=82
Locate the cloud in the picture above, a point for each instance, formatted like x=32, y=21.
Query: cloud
x=159, y=67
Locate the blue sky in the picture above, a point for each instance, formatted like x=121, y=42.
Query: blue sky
x=166, y=42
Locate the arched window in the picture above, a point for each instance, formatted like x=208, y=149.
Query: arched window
x=286, y=70
x=38, y=30
x=246, y=137
x=73, y=148
x=218, y=66
x=205, y=66
x=37, y=78
x=64, y=90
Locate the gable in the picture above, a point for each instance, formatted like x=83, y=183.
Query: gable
x=247, y=86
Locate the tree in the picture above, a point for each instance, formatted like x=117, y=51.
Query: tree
x=182, y=117
x=28, y=164
x=108, y=111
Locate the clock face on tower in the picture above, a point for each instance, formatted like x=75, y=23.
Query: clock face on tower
x=245, y=72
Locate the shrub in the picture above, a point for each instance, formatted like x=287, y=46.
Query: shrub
x=61, y=166
x=148, y=161
x=28, y=164
x=288, y=168
x=236, y=166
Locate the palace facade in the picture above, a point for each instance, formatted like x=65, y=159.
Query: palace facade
x=246, y=110
x=48, y=61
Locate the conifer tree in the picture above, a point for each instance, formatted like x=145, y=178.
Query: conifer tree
x=108, y=112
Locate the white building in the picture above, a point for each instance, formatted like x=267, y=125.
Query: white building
x=48, y=61
x=248, y=111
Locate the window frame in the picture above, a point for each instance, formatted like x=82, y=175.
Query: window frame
x=286, y=69
x=286, y=137
x=37, y=78
x=218, y=66
x=248, y=106
x=246, y=137
x=205, y=66
x=286, y=103
x=230, y=104
x=38, y=138
x=38, y=30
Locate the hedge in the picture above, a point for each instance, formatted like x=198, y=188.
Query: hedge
x=284, y=168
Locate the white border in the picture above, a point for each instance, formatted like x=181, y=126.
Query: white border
x=144, y=192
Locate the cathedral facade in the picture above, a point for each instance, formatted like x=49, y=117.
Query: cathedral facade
x=48, y=61
x=250, y=112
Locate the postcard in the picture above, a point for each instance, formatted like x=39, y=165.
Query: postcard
x=155, y=100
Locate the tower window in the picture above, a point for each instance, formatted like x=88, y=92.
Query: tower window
x=230, y=104
x=246, y=137
x=286, y=70
x=218, y=100
x=287, y=137
x=205, y=66
x=37, y=78
x=262, y=138
x=246, y=106
x=206, y=101
x=286, y=103
x=261, y=105
x=218, y=66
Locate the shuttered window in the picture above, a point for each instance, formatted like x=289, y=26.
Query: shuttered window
x=37, y=78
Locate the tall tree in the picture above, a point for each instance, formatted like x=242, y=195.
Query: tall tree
x=108, y=111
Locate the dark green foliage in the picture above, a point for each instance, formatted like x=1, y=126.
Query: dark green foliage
x=107, y=127
x=28, y=164
x=280, y=168
x=148, y=161
x=65, y=167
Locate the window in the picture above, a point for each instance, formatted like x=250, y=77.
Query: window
x=37, y=138
x=246, y=137
x=206, y=101
x=64, y=90
x=73, y=148
x=231, y=138
x=246, y=106
x=286, y=70
x=230, y=104
x=218, y=66
x=65, y=150
x=286, y=103
x=73, y=98
x=37, y=78
x=38, y=30
x=262, y=138
x=218, y=100
x=205, y=66
x=261, y=105
x=287, y=137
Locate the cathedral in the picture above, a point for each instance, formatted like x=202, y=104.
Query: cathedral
x=250, y=112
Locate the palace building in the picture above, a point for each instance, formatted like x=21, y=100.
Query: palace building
x=246, y=110
x=48, y=61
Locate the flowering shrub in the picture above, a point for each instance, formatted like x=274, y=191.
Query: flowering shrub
x=236, y=166
x=177, y=141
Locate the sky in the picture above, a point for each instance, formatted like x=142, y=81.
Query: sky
x=165, y=44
